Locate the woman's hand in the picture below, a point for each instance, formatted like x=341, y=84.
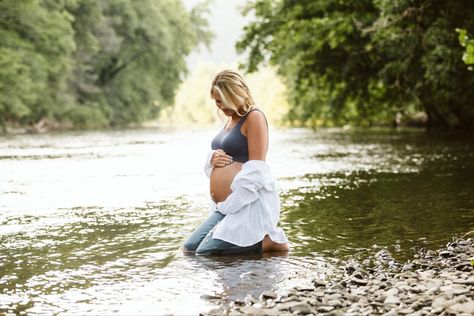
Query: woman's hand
x=221, y=159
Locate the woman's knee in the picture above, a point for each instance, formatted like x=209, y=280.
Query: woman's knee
x=190, y=245
x=210, y=246
x=205, y=250
x=197, y=236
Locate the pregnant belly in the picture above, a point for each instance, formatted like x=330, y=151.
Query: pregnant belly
x=221, y=178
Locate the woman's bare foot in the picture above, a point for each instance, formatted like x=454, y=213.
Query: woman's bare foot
x=269, y=245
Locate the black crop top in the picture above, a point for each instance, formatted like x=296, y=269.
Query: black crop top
x=232, y=142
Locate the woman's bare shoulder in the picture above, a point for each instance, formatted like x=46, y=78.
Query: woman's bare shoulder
x=255, y=121
x=256, y=117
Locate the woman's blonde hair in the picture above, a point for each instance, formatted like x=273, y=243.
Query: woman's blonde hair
x=233, y=91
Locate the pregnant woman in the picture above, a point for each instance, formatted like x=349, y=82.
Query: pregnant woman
x=245, y=206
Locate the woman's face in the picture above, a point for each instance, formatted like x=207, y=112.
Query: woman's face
x=217, y=98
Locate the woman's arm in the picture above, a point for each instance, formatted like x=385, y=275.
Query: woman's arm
x=257, y=135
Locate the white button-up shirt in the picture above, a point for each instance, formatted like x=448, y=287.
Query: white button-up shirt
x=252, y=210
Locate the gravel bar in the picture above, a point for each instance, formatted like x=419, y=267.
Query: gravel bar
x=433, y=283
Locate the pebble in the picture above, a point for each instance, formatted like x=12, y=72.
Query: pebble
x=335, y=303
x=268, y=295
x=391, y=292
x=418, y=289
x=453, y=289
x=446, y=253
x=335, y=288
x=357, y=281
x=288, y=305
x=319, y=293
x=319, y=283
x=334, y=296
x=392, y=299
x=463, y=266
x=466, y=308
x=250, y=310
x=325, y=309
x=469, y=281
x=433, y=285
x=406, y=311
x=304, y=288
x=303, y=308
x=436, y=282
x=439, y=302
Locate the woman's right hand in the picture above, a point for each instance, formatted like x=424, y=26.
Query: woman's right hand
x=221, y=159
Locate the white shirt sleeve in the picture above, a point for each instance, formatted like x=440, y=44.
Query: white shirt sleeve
x=207, y=165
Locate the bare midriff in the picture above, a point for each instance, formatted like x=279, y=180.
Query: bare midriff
x=221, y=179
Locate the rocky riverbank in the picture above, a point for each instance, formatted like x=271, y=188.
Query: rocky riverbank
x=434, y=283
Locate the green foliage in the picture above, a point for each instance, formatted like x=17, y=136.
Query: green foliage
x=365, y=61
x=93, y=63
x=36, y=42
x=465, y=41
x=87, y=116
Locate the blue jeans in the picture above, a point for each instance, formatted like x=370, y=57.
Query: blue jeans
x=202, y=243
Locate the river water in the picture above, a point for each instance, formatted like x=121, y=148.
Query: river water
x=92, y=222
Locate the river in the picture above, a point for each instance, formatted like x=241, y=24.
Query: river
x=91, y=222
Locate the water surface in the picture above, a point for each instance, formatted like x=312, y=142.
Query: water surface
x=92, y=222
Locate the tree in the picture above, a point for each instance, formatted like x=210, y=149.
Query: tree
x=140, y=57
x=36, y=42
x=94, y=63
x=468, y=43
x=364, y=61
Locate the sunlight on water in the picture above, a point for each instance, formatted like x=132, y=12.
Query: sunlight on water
x=92, y=222
x=116, y=169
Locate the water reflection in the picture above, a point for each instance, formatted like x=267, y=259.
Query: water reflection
x=394, y=211
x=239, y=276
x=92, y=222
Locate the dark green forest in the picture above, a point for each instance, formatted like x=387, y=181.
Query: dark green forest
x=365, y=62
x=93, y=63
x=104, y=63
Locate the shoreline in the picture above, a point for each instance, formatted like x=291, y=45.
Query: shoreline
x=437, y=282
x=46, y=126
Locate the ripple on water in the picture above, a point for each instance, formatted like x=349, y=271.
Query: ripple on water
x=345, y=195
